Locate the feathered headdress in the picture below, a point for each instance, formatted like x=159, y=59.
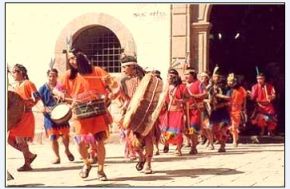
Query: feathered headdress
x=51, y=63
x=216, y=70
x=68, y=46
x=257, y=70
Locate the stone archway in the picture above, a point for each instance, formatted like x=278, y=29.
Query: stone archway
x=79, y=24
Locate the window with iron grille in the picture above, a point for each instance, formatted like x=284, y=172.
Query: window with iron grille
x=101, y=46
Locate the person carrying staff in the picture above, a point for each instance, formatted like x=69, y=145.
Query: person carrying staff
x=263, y=94
x=172, y=118
x=81, y=82
x=194, y=106
x=23, y=132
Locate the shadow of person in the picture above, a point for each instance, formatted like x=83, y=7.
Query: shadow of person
x=26, y=185
x=56, y=169
x=173, y=174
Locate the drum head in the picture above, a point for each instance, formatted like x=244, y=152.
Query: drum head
x=15, y=108
x=60, y=111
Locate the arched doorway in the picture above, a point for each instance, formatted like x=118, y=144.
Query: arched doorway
x=101, y=46
x=245, y=36
x=96, y=22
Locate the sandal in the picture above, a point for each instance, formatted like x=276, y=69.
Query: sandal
x=140, y=165
x=193, y=151
x=85, y=171
x=102, y=176
x=157, y=153
x=178, y=153
x=56, y=161
x=70, y=157
x=25, y=167
x=221, y=149
x=166, y=149
x=148, y=170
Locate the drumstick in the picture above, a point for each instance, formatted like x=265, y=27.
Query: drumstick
x=98, y=77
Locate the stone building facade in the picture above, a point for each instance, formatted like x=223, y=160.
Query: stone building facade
x=158, y=34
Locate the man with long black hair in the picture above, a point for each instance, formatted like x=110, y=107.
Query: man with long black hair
x=84, y=83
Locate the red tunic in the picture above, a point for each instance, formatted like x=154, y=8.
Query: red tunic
x=172, y=121
x=266, y=115
x=194, y=104
x=260, y=96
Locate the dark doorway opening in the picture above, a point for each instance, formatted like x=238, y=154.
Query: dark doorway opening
x=245, y=36
x=101, y=46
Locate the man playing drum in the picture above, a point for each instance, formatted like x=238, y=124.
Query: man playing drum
x=84, y=83
x=135, y=142
x=23, y=132
x=54, y=130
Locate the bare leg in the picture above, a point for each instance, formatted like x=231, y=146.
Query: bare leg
x=101, y=153
x=210, y=139
x=65, y=141
x=156, y=144
x=83, y=151
x=235, y=134
x=222, y=140
x=194, y=139
x=262, y=131
x=23, y=147
x=188, y=141
x=148, y=153
x=55, y=149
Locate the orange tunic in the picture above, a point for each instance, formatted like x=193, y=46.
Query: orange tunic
x=238, y=97
x=25, y=128
x=86, y=83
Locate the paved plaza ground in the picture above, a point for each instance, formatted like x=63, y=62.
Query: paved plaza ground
x=248, y=165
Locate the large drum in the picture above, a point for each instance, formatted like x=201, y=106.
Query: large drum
x=145, y=105
x=90, y=104
x=15, y=109
x=61, y=113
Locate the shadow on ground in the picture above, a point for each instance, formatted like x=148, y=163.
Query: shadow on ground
x=26, y=185
x=173, y=174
